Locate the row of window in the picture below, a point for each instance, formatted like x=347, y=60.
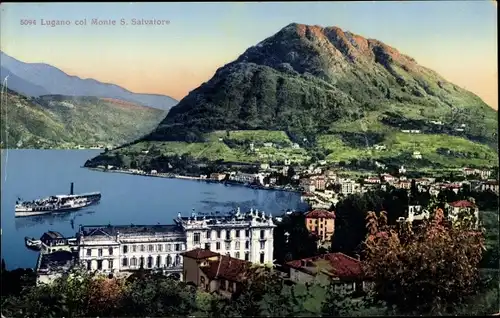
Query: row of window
x=142, y=248
x=236, y=245
x=150, y=264
x=142, y=261
x=153, y=247
x=99, y=264
x=208, y=235
x=99, y=251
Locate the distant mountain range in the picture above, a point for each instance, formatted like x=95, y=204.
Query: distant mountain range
x=56, y=121
x=321, y=92
x=37, y=79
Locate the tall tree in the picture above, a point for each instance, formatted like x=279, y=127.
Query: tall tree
x=425, y=269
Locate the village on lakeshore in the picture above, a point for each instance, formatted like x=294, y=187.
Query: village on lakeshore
x=205, y=247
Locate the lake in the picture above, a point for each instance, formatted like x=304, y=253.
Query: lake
x=126, y=199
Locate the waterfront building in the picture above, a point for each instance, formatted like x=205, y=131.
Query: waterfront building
x=245, y=236
x=113, y=249
x=51, y=266
x=54, y=241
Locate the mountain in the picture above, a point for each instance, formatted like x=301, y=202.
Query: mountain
x=56, y=121
x=335, y=94
x=19, y=85
x=53, y=81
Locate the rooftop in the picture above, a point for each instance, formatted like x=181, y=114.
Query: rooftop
x=332, y=264
x=462, y=204
x=320, y=214
x=226, y=267
x=112, y=230
x=218, y=218
x=60, y=260
x=54, y=235
x=199, y=253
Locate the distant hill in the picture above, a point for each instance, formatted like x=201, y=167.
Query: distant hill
x=56, y=121
x=336, y=95
x=17, y=84
x=43, y=79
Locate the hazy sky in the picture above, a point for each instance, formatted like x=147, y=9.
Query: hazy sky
x=458, y=39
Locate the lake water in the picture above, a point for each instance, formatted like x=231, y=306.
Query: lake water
x=126, y=199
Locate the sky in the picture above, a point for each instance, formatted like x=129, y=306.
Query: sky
x=457, y=39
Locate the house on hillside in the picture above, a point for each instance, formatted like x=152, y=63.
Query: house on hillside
x=417, y=155
x=322, y=224
x=213, y=272
x=455, y=208
x=490, y=185
x=346, y=272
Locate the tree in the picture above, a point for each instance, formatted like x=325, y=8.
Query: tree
x=426, y=269
x=300, y=243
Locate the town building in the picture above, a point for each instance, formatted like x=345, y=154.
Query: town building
x=349, y=187
x=321, y=223
x=490, y=185
x=404, y=184
x=213, y=272
x=417, y=213
x=307, y=184
x=217, y=176
x=245, y=236
x=113, y=249
x=54, y=241
x=346, y=272
x=51, y=266
x=243, y=177
x=319, y=182
x=455, y=208
x=402, y=170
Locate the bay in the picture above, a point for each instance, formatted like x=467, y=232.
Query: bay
x=126, y=199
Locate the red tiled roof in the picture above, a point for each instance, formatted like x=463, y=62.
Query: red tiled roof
x=342, y=266
x=320, y=214
x=199, y=253
x=227, y=268
x=462, y=204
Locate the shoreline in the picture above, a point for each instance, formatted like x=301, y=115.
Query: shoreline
x=182, y=177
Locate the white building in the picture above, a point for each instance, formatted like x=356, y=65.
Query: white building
x=415, y=212
x=417, y=155
x=244, y=177
x=113, y=249
x=246, y=236
x=350, y=187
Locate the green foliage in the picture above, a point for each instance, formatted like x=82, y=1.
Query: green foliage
x=62, y=121
x=425, y=269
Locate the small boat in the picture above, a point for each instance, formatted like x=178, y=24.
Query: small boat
x=33, y=243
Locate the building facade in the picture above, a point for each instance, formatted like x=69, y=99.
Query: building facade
x=213, y=272
x=113, y=249
x=244, y=236
x=321, y=223
x=346, y=272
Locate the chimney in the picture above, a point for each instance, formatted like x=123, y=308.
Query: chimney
x=71, y=189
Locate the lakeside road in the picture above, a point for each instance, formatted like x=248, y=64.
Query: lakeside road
x=176, y=176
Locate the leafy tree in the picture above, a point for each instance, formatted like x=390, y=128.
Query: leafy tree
x=427, y=269
x=299, y=244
